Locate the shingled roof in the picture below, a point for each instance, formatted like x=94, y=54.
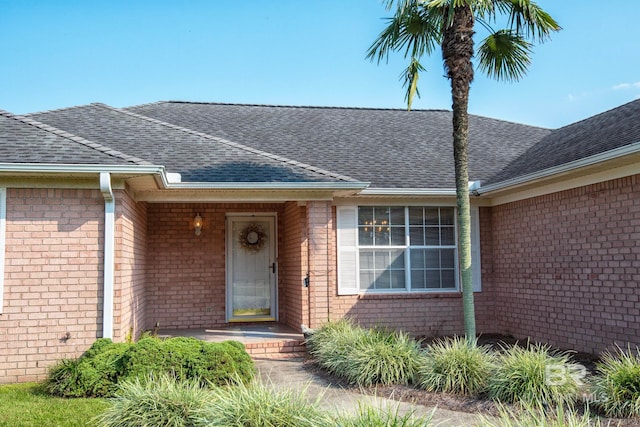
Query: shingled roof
x=196, y=156
x=25, y=140
x=604, y=132
x=389, y=148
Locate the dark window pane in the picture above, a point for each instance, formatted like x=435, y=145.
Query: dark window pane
x=431, y=216
x=397, y=236
x=432, y=236
x=432, y=257
x=448, y=279
x=416, y=236
x=365, y=236
x=417, y=279
x=381, y=236
x=433, y=279
x=397, y=279
x=381, y=214
x=447, y=237
x=446, y=216
x=415, y=216
x=417, y=258
x=365, y=215
x=397, y=216
x=447, y=258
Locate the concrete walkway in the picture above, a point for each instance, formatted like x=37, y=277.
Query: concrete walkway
x=289, y=374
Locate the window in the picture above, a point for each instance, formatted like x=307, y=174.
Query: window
x=400, y=249
x=406, y=248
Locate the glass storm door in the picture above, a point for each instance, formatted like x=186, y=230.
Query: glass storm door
x=251, y=269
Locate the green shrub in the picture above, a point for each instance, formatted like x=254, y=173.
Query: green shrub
x=537, y=416
x=257, y=405
x=617, y=384
x=93, y=374
x=455, y=365
x=366, y=356
x=372, y=416
x=97, y=372
x=186, y=358
x=156, y=401
x=67, y=379
x=522, y=376
x=108, y=367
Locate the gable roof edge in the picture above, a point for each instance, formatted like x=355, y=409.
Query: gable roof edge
x=236, y=145
x=556, y=170
x=76, y=139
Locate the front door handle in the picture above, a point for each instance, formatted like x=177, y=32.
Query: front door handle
x=273, y=268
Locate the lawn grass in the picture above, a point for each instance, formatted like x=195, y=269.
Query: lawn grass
x=23, y=405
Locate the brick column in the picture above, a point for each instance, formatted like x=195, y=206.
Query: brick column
x=319, y=226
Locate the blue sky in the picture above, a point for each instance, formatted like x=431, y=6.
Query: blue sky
x=55, y=54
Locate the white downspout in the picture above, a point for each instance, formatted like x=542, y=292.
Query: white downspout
x=109, y=253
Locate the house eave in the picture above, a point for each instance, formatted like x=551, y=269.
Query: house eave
x=77, y=169
x=612, y=164
x=408, y=192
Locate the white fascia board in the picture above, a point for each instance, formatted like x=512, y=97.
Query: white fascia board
x=408, y=192
x=74, y=168
x=348, y=185
x=170, y=181
x=557, y=170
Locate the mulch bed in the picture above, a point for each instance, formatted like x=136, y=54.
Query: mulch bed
x=474, y=405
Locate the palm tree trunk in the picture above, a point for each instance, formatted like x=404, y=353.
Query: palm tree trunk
x=457, y=51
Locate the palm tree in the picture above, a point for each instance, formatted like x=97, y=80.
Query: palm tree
x=417, y=28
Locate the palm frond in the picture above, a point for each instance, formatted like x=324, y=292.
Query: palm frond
x=505, y=55
x=412, y=29
x=410, y=77
x=528, y=19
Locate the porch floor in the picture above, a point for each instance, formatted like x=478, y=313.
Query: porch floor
x=267, y=340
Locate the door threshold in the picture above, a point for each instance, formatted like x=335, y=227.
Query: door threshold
x=253, y=319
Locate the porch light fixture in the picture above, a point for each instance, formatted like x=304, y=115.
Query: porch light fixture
x=197, y=224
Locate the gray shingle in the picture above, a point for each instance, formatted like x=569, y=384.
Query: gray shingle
x=595, y=135
x=197, y=157
x=24, y=140
x=389, y=148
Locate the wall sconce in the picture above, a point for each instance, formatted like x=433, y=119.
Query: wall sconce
x=197, y=224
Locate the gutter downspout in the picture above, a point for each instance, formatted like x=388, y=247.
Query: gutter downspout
x=109, y=253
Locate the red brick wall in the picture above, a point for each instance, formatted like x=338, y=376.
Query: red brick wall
x=322, y=262
x=566, y=266
x=53, y=279
x=292, y=262
x=485, y=301
x=130, y=267
x=186, y=273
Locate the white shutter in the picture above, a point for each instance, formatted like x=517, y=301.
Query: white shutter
x=476, y=265
x=347, y=224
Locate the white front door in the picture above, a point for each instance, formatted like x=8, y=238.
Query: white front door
x=251, y=269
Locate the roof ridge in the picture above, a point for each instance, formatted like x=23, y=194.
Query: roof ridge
x=74, y=138
x=325, y=107
x=318, y=107
x=54, y=110
x=600, y=114
x=234, y=144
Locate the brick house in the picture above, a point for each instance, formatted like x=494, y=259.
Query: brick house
x=194, y=215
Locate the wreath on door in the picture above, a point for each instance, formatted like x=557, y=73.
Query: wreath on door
x=252, y=238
